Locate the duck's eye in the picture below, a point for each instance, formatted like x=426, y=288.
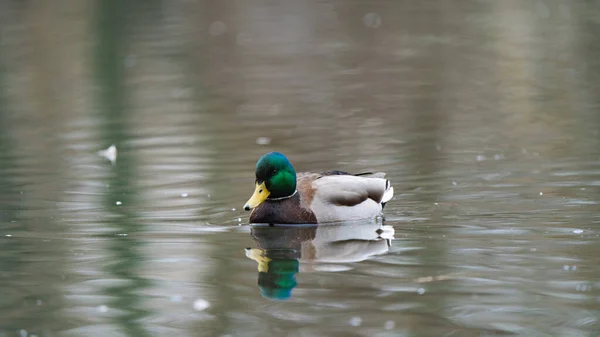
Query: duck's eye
x=260, y=191
x=274, y=172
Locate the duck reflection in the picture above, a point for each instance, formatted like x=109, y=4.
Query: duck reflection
x=281, y=248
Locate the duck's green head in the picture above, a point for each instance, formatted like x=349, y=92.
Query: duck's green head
x=275, y=178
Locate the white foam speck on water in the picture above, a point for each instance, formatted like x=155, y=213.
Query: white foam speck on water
x=481, y=157
x=454, y=183
x=498, y=156
x=421, y=291
x=233, y=209
x=372, y=20
x=389, y=325
x=38, y=302
x=122, y=234
x=23, y=333
x=201, y=304
x=8, y=235
x=263, y=140
x=118, y=203
x=110, y=153
x=184, y=195
x=102, y=308
x=578, y=231
x=355, y=321
x=583, y=287
x=239, y=219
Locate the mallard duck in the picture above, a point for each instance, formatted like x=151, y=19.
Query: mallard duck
x=284, y=197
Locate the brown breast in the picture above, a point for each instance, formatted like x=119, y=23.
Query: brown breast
x=287, y=211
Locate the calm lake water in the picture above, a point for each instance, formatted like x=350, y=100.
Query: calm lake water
x=484, y=114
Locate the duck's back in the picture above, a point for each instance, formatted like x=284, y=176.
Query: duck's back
x=339, y=196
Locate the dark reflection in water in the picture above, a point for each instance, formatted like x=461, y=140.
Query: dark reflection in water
x=484, y=114
x=282, y=247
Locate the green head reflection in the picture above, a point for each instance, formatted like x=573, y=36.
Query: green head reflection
x=277, y=283
x=276, y=272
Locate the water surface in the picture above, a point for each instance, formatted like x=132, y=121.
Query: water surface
x=485, y=116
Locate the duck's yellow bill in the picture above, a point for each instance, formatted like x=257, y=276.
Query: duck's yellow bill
x=258, y=255
x=260, y=194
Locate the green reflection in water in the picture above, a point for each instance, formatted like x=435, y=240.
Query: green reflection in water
x=112, y=106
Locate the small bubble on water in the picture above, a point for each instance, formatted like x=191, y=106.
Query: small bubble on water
x=578, y=231
x=541, y=193
x=239, y=219
x=355, y=321
x=481, y=157
x=389, y=325
x=38, y=302
x=118, y=203
x=573, y=267
x=102, y=308
x=201, y=304
x=533, y=249
x=420, y=291
x=263, y=140
x=372, y=20
x=23, y=333
x=233, y=209
x=565, y=267
x=184, y=195
x=8, y=235
x=454, y=183
x=498, y=156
